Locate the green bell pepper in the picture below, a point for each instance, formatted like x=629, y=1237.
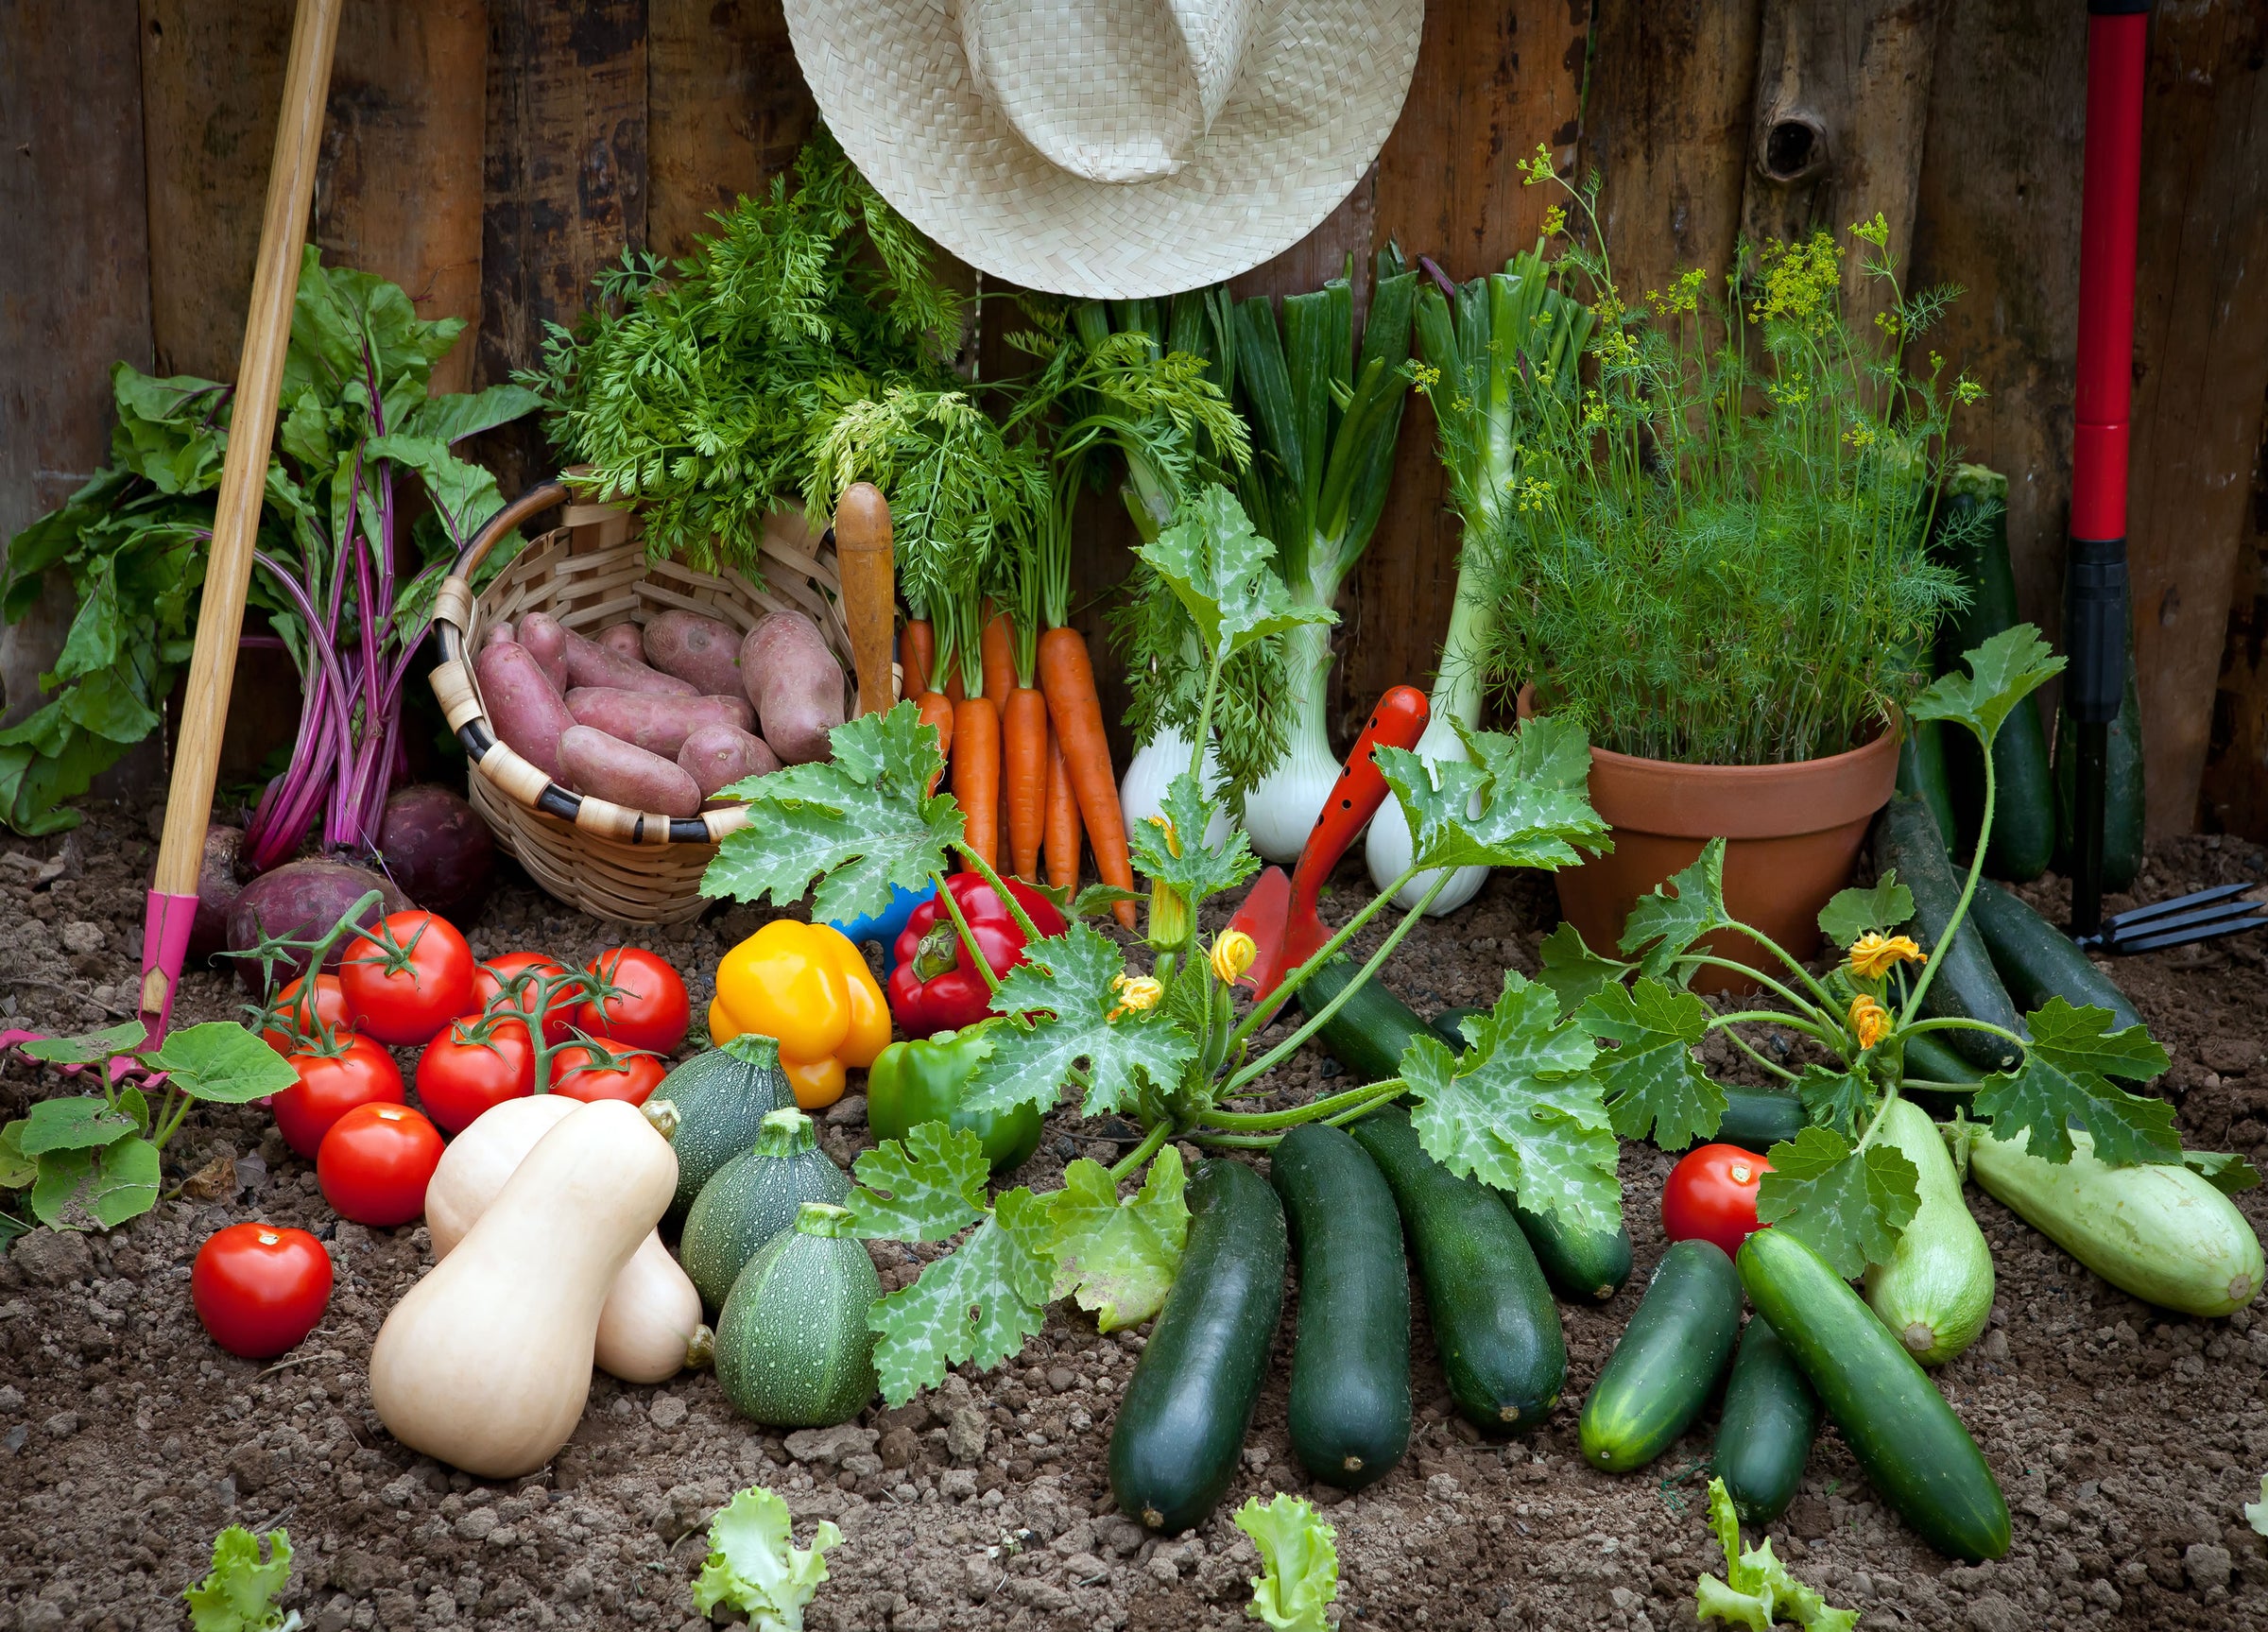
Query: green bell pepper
x=910, y=1083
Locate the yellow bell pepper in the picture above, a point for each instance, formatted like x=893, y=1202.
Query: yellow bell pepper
x=807, y=985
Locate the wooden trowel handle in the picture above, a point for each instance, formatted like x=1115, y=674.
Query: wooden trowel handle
x=863, y=555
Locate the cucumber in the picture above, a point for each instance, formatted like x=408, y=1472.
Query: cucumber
x=1934, y=1293
x=793, y=1348
x=1449, y=1027
x=751, y=1199
x=1927, y=1057
x=1965, y=985
x=2037, y=961
x=1668, y=1362
x=2123, y=800
x=1583, y=1265
x=1350, y=1367
x=720, y=1099
x=1770, y=1418
x=1756, y=1118
x=1495, y=1326
x=1368, y=1035
x=1180, y=1428
x=1915, y=1450
x=1921, y=771
x=2023, y=827
x=2156, y=1231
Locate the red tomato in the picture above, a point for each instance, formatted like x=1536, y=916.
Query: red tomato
x=409, y=979
x=576, y=1073
x=329, y=1086
x=489, y=979
x=460, y=1075
x=650, y=1008
x=1711, y=1196
x=259, y=1289
x=375, y=1163
x=329, y=1010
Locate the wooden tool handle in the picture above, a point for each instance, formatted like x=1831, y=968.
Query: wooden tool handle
x=252, y=426
x=864, y=558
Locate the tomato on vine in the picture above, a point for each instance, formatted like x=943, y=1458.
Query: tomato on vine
x=581, y=1070
x=408, y=977
x=332, y=1081
x=375, y=1163
x=473, y=1066
x=646, y=1005
x=491, y=977
x=291, y=1021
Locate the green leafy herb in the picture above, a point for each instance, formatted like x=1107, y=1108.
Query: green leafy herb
x=754, y=1566
x=1119, y=1256
x=2065, y=1078
x=1848, y=1206
x=1298, y=1560
x=1652, y=1079
x=1853, y=912
x=1759, y=1589
x=240, y=1594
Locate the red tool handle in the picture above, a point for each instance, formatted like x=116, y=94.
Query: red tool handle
x=1397, y=722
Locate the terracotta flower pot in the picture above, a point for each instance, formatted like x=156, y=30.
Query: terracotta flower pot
x=1794, y=832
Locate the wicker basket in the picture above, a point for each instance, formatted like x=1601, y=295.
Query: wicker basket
x=624, y=866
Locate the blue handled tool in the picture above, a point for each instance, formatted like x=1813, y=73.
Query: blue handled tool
x=888, y=925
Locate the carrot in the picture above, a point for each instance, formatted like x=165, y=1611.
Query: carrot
x=917, y=655
x=1023, y=768
x=1000, y=660
x=937, y=710
x=976, y=773
x=1067, y=676
x=1062, y=821
x=952, y=685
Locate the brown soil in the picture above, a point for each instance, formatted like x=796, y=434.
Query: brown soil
x=2127, y=1439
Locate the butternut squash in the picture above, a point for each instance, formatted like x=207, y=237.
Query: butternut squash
x=651, y=1328
x=486, y=1363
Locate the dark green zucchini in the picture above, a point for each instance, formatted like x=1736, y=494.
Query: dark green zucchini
x=2037, y=961
x=1759, y=1118
x=1915, y=1450
x=1921, y=771
x=1583, y=1265
x=1350, y=1367
x=2123, y=801
x=1965, y=985
x=1766, y=1432
x=1181, y=1426
x=1495, y=1326
x=1371, y=1028
x=720, y=1099
x=2023, y=827
x=1671, y=1353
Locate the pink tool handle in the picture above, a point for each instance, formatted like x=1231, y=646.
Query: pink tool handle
x=1397, y=722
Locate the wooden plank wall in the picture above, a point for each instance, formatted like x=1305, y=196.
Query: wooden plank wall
x=624, y=122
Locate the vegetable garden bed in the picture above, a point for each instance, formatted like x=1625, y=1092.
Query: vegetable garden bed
x=2127, y=1440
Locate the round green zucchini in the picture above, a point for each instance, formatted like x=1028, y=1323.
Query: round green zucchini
x=793, y=1348
x=751, y=1199
x=720, y=1099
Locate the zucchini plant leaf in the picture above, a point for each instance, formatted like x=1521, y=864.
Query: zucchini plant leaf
x=1852, y=911
x=1220, y=570
x=754, y=1565
x=1071, y=982
x=2229, y=1174
x=1175, y=858
x=97, y=1189
x=2065, y=1078
x=1677, y=913
x=1848, y=1206
x=1572, y=969
x=222, y=1064
x=16, y=1169
x=981, y=1302
x=861, y=824
x=1521, y=1108
x=1520, y=799
x=240, y=1594
x=2003, y=672
x=1759, y=1589
x=80, y=1123
x=1299, y=1563
x=931, y=1186
x=1119, y=1256
x=1831, y=1098
x=1653, y=1085
x=90, y=1048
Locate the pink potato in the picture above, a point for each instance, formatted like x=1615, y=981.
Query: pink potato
x=718, y=756
x=624, y=641
x=796, y=684
x=525, y=713
x=545, y=638
x=606, y=767
x=695, y=648
x=591, y=664
x=657, y=724
x=497, y=632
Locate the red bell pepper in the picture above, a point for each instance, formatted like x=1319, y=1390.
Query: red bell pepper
x=934, y=987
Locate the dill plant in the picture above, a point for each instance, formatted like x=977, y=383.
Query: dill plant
x=1715, y=551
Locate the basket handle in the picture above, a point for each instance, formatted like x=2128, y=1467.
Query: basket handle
x=536, y=500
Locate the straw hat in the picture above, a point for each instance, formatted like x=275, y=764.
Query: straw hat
x=1110, y=148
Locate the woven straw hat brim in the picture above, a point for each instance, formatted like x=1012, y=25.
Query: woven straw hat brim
x=1322, y=85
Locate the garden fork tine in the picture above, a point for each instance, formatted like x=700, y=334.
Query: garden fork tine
x=2224, y=909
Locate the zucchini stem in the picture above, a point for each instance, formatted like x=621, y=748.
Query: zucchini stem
x=1968, y=890
x=1130, y=1163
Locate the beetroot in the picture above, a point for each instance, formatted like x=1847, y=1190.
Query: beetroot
x=218, y=887
x=303, y=899
x=435, y=846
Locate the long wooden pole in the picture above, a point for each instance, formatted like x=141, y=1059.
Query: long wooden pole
x=243, y=482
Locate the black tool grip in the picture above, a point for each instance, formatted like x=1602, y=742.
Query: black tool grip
x=2094, y=634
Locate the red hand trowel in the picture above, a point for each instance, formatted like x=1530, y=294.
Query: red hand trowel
x=1279, y=912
